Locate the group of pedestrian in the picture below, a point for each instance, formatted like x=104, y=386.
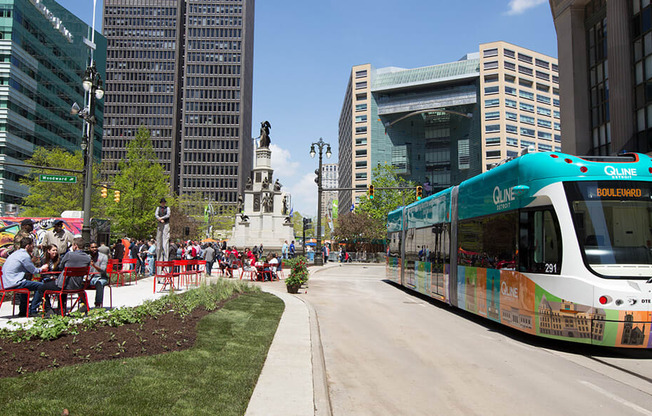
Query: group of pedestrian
x=25, y=268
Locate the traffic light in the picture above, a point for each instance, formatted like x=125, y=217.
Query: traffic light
x=116, y=196
x=371, y=192
x=419, y=192
x=105, y=192
x=318, y=178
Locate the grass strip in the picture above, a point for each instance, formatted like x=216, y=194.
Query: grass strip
x=215, y=377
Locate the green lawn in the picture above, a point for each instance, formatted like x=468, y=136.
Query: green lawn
x=216, y=377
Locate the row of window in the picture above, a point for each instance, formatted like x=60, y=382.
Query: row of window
x=522, y=94
x=212, y=157
x=495, y=115
x=510, y=128
x=541, y=147
x=139, y=22
x=211, y=132
x=514, y=142
x=522, y=69
x=543, y=111
x=487, y=53
x=140, y=11
x=523, y=82
x=212, y=119
x=214, y=44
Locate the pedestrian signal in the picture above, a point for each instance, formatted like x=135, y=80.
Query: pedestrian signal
x=371, y=192
x=116, y=196
x=419, y=192
x=105, y=192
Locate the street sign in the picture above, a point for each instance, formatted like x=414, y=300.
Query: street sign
x=57, y=178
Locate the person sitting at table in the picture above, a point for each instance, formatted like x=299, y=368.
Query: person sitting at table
x=273, y=264
x=50, y=261
x=74, y=258
x=17, y=273
x=99, y=263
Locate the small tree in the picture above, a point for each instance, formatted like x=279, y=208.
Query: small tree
x=385, y=201
x=142, y=183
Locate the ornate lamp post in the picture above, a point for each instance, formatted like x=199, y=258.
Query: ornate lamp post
x=319, y=260
x=92, y=84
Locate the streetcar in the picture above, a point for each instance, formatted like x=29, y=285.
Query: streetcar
x=551, y=244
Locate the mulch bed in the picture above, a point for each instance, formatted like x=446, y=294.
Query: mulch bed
x=162, y=334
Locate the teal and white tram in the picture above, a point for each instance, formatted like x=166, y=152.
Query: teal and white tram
x=551, y=244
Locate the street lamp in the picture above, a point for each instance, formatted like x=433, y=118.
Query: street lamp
x=319, y=260
x=92, y=83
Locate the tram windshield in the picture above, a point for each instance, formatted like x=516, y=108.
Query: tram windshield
x=613, y=222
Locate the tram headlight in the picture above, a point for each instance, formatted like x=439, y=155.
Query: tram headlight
x=603, y=300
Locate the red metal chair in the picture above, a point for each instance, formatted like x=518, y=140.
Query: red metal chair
x=164, y=270
x=129, y=270
x=112, y=269
x=68, y=273
x=251, y=272
x=14, y=291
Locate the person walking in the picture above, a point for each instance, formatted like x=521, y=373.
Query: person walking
x=162, y=215
x=209, y=256
x=284, y=250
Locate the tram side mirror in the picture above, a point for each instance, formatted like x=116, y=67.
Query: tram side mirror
x=520, y=191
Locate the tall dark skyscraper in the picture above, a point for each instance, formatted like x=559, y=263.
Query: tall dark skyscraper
x=183, y=69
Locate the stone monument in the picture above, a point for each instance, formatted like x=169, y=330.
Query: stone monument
x=264, y=213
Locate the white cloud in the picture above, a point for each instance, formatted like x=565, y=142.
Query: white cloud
x=304, y=195
x=281, y=163
x=520, y=6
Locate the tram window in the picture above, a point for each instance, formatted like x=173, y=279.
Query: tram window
x=540, y=242
x=489, y=242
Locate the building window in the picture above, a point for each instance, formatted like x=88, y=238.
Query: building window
x=490, y=65
x=543, y=99
x=511, y=116
x=361, y=107
x=361, y=119
x=494, y=102
x=544, y=123
x=492, y=141
x=361, y=74
x=493, y=154
x=528, y=144
x=525, y=83
x=527, y=119
x=526, y=107
x=524, y=70
x=360, y=153
x=491, y=90
x=490, y=52
x=510, y=103
x=527, y=132
x=491, y=128
x=545, y=147
x=509, y=53
x=541, y=63
x=511, y=128
x=544, y=135
x=526, y=94
x=510, y=78
x=491, y=78
x=361, y=130
x=492, y=115
x=510, y=90
x=361, y=85
x=524, y=58
x=361, y=97
x=361, y=175
x=510, y=65
x=360, y=142
x=543, y=111
x=511, y=141
x=361, y=164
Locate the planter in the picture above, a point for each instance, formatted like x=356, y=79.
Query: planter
x=293, y=288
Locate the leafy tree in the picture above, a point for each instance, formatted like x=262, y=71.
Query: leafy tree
x=142, y=183
x=49, y=199
x=387, y=200
x=358, y=228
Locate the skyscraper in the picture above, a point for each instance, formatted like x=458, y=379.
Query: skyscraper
x=183, y=69
x=442, y=124
x=43, y=58
x=605, y=69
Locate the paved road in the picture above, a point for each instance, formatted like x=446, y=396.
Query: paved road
x=390, y=352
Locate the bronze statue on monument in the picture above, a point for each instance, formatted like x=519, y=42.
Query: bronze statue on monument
x=264, y=134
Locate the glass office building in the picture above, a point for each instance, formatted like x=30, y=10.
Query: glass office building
x=43, y=56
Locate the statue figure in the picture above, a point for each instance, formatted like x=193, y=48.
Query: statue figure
x=277, y=186
x=248, y=185
x=266, y=203
x=264, y=134
x=244, y=218
x=285, y=205
x=240, y=206
x=288, y=220
x=265, y=184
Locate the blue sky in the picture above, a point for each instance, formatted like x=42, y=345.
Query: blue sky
x=304, y=51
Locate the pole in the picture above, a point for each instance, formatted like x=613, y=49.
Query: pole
x=402, y=238
x=319, y=259
x=89, y=136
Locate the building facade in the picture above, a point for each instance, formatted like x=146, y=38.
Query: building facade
x=605, y=56
x=183, y=69
x=442, y=124
x=329, y=180
x=43, y=60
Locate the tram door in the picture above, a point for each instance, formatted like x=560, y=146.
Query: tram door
x=439, y=258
